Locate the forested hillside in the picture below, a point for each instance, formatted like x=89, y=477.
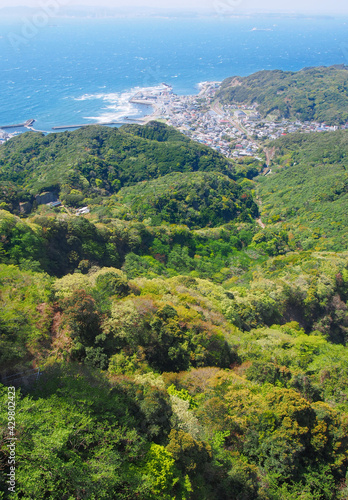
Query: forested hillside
x=93, y=162
x=188, y=350
x=308, y=195
x=195, y=199
x=312, y=94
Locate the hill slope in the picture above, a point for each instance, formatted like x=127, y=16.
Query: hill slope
x=177, y=359
x=197, y=199
x=308, y=189
x=315, y=94
x=102, y=159
x=95, y=162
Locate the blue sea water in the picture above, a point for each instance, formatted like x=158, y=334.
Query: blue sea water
x=72, y=71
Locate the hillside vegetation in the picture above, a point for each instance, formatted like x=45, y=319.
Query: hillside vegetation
x=186, y=352
x=312, y=94
x=94, y=162
x=181, y=388
x=195, y=199
x=308, y=190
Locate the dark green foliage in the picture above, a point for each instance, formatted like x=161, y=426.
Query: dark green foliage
x=95, y=356
x=196, y=199
x=21, y=244
x=191, y=455
x=95, y=161
x=82, y=318
x=156, y=131
x=313, y=94
x=112, y=284
x=268, y=373
x=166, y=341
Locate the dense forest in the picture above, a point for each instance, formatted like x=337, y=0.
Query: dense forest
x=188, y=350
x=312, y=94
x=86, y=165
x=308, y=196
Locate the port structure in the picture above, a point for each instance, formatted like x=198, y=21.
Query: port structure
x=27, y=124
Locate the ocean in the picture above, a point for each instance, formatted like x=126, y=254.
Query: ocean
x=73, y=71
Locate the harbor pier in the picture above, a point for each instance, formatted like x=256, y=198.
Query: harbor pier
x=27, y=124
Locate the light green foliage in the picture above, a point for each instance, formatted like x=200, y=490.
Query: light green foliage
x=67, y=447
x=135, y=266
x=152, y=379
x=303, y=287
x=25, y=315
x=125, y=322
x=182, y=394
x=307, y=193
x=160, y=474
x=120, y=364
x=65, y=286
x=184, y=418
x=21, y=242
x=308, y=363
x=103, y=283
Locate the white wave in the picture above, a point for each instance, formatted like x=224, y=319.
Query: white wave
x=117, y=105
x=106, y=118
x=115, y=96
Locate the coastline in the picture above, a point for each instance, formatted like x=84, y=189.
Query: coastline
x=135, y=98
x=235, y=130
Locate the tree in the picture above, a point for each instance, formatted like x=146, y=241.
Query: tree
x=82, y=317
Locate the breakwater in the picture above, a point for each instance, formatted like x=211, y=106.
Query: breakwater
x=26, y=124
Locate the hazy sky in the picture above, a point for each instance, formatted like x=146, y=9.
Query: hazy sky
x=312, y=6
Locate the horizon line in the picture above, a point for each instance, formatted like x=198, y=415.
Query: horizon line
x=124, y=9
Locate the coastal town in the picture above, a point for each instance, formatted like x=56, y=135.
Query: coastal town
x=234, y=130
